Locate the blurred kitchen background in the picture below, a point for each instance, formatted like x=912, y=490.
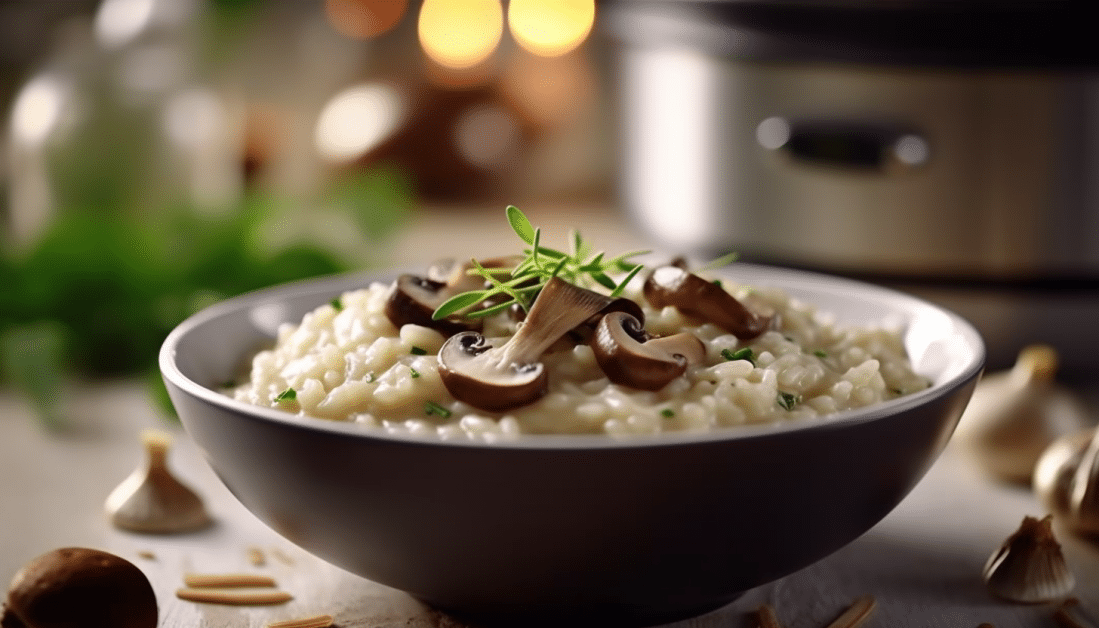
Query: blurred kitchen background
x=160, y=155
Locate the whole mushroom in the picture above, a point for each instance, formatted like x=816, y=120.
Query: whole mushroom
x=77, y=586
x=497, y=375
x=631, y=357
x=697, y=297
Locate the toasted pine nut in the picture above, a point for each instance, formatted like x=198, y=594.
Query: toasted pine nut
x=319, y=621
x=234, y=597
x=855, y=614
x=200, y=581
x=767, y=617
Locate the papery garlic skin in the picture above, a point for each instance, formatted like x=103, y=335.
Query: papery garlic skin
x=151, y=499
x=1066, y=479
x=1014, y=415
x=1030, y=567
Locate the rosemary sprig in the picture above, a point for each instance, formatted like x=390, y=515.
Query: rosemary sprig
x=520, y=285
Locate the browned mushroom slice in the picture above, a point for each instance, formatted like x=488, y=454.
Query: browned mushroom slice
x=694, y=296
x=630, y=357
x=497, y=377
x=414, y=299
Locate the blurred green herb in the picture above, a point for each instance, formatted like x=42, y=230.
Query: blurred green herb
x=96, y=293
x=744, y=353
x=432, y=407
x=287, y=395
x=521, y=283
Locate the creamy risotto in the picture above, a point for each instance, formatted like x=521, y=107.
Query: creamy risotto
x=349, y=361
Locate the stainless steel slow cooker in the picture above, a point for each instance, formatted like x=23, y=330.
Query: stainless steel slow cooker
x=948, y=147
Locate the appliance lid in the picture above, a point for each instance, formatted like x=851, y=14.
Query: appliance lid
x=953, y=33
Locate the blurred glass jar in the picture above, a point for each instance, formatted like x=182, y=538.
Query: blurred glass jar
x=120, y=119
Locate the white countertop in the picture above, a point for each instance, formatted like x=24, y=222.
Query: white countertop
x=922, y=563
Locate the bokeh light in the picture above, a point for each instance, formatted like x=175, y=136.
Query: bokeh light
x=550, y=27
x=119, y=21
x=487, y=136
x=460, y=33
x=356, y=120
x=364, y=19
x=549, y=91
x=38, y=109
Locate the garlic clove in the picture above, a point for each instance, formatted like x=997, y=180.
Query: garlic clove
x=1014, y=415
x=1029, y=567
x=151, y=499
x=1066, y=479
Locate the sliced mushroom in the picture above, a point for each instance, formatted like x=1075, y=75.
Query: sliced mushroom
x=495, y=375
x=630, y=357
x=695, y=296
x=414, y=298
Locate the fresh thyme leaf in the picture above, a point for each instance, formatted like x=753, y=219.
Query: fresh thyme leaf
x=617, y=292
x=337, y=304
x=520, y=224
x=667, y=413
x=287, y=395
x=413, y=372
x=724, y=260
x=603, y=280
x=820, y=353
x=431, y=408
x=458, y=303
x=492, y=309
x=418, y=351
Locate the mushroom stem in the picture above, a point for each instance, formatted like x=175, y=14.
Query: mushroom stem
x=560, y=307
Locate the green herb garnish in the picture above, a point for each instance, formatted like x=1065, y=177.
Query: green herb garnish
x=744, y=353
x=431, y=408
x=667, y=413
x=820, y=353
x=370, y=377
x=418, y=351
x=337, y=304
x=287, y=395
x=413, y=372
x=540, y=264
x=788, y=400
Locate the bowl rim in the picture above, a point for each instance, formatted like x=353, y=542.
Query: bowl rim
x=330, y=284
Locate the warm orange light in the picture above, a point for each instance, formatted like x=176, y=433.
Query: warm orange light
x=549, y=91
x=460, y=33
x=550, y=28
x=363, y=19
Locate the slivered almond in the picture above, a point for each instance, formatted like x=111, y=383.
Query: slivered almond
x=767, y=617
x=855, y=614
x=319, y=621
x=229, y=580
x=234, y=596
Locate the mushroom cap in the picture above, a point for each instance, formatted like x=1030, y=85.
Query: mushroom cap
x=472, y=375
x=77, y=586
x=695, y=296
x=414, y=299
x=630, y=357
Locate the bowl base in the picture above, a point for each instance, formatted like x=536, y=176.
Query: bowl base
x=598, y=615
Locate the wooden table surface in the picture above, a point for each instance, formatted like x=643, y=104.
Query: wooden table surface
x=922, y=563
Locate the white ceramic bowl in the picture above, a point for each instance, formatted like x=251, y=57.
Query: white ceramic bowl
x=577, y=529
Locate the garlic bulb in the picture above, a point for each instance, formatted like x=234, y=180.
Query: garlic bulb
x=1066, y=479
x=151, y=499
x=1029, y=566
x=1014, y=415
